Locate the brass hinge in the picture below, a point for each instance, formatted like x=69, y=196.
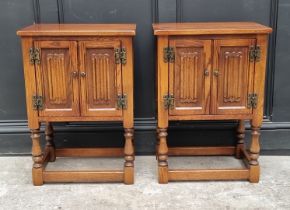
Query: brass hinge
x=255, y=53
x=123, y=55
x=37, y=102
x=168, y=101
x=122, y=101
x=252, y=100
x=120, y=55
x=168, y=54
x=34, y=55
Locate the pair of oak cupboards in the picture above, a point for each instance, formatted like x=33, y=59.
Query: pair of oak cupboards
x=84, y=72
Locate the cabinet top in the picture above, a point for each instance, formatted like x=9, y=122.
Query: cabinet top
x=210, y=28
x=78, y=30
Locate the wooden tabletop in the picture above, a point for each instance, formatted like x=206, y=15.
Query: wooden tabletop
x=199, y=28
x=78, y=30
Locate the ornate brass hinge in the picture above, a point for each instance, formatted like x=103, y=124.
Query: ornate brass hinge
x=123, y=55
x=37, y=102
x=120, y=55
x=168, y=101
x=34, y=55
x=255, y=53
x=122, y=101
x=252, y=100
x=168, y=55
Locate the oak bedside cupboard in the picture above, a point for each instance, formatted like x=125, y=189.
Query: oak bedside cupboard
x=211, y=71
x=78, y=72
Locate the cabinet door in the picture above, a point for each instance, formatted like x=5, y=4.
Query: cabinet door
x=101, y=79
x=189, y=76
x=232, y=76
x=55, y=79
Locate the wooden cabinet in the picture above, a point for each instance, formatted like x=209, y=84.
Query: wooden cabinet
x=211, y=71
x=78, y=72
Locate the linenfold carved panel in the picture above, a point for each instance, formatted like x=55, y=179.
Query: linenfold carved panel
x=101, y=77
x=189, y=64
x=56, y=77
x=188, y=83
x=234, y=73
x=233, y=59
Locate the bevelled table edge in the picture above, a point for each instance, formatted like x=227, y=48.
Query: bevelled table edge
x=71, y=30
x=172, y=28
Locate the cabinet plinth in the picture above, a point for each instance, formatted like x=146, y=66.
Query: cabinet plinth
x=79, y=72
x=211, y=71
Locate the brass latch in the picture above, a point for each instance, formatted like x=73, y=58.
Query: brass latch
x=255, y=53
x=168, y=101
x=252, y=100
x=37, y=102
x=122, y=101
x=168, y=55
x=34, y=56
x=120, y=55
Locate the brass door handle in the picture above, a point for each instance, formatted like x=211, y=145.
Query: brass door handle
x=216, y=73
x=74, y=74
x=83, y=74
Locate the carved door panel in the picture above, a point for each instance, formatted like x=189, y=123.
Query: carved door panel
x=189, y=76
x=55, y=78
x=233, y=75
x=101, y=79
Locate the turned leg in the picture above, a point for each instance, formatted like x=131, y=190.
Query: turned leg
x=37, y=157
x=157, y=143
x=129, y=157
x=133, y=142
x=49, y=141
x=240, y=138
x=254, y=154
x=162, y=157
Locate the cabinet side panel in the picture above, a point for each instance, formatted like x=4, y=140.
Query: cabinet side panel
x=30, y=83
x=162, y=81
x=259, y=79
x=128, y=83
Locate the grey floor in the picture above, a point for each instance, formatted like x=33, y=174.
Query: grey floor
x=273, y=191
